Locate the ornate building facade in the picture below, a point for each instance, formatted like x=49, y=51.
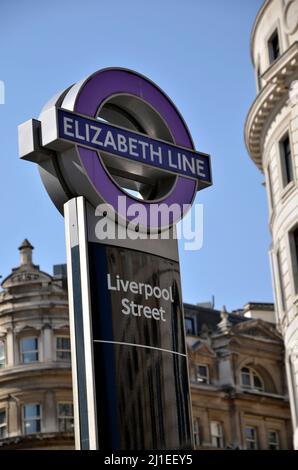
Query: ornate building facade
x=237, y=376
x=236, y=364
x=271, y=134
x=36, y=409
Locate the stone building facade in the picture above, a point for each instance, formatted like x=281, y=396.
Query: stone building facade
x=237, y=377
x=238, y=380
x=271, y=134
x=36, y=408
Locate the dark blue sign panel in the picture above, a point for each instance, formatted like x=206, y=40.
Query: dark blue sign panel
x=134, y=146
x=139, y=349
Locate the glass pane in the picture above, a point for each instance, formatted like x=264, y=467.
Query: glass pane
x=189, y=325
x=272, y=436
x=30, y=357
x=2, y=351
x=245, y=378
x=2, y=417
x=31, y=411
x=257, y=383
x=250, y=433
x=216, y=428
x=202, y=371
x=65, y=409
x=29, y=344
x=251, y=445
x=63, y=355
x=63, y=343
x=32, y=426
x=2, y=354
x=66, y=425
x=3, y=433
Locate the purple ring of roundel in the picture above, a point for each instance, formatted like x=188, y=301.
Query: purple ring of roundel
x=95, y=91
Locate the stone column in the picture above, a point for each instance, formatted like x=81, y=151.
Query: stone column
x=262, y=436
x=49, y=412
x=14, y=417
x=47, y=343
x=10, y=348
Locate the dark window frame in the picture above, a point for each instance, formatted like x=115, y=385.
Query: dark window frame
x=36, y=419
x=24, y=352
x=274, y=46
x=62, y=353
x=65, y=421
x=202, y=378
x=187, y=330
x=3, y=358
x=217, y=439
x=286, y=160
x=273, y=444
x=3, y=424
x=251, y=440
x=293, y=240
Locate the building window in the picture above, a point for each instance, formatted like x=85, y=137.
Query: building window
x=281, y=283
x=3, y=424
x=196, y=432
x=202, y=374
x=65, y=417
x=63, y=348
x=216, y=434
x=2, y=354
x=189, y=326
x=286, y=160
x=31, y=418
x=29, y=350
x=251, y=380
x=273, y=47
x=251, y=438
x=273, y=440
x=294, y=256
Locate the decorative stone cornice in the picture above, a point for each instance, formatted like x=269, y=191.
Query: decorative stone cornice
x=278, y=78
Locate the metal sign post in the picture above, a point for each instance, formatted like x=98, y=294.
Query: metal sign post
x=112, y=133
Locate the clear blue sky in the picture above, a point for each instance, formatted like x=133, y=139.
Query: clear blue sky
x=198, y=52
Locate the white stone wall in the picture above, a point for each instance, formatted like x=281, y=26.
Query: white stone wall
x=275, y=14
x=282, y=201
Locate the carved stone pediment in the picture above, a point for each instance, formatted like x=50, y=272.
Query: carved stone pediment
x=258, y=329
x=203, y=348
x=22, y=329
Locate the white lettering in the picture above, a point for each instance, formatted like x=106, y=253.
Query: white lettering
x=77, y=132
x=125, y=304
x=144, y=145
x=122, y=146
x=189, y=164
x=132, y=143
x=67, y=125
x=109, y=140
x=156, y=153
x=110, y=286
x=200, y=168
x=171, y=163
x=97, y=132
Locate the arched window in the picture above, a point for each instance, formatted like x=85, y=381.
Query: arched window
x=251, y=380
